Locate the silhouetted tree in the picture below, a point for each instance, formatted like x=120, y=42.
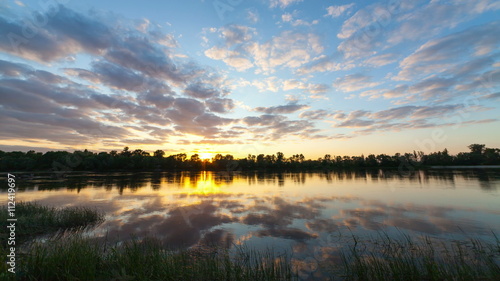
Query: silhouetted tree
x=139, y=159
x=159, y=153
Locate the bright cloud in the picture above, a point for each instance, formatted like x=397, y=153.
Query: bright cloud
x=337, y=11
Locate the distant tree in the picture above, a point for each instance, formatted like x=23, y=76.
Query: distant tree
x=279, y=157
x=371, y=161
x=141, y=160
x=125, y=152
x=476, y=148
x=159, y=153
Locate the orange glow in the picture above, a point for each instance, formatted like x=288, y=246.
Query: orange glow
x=206, y=156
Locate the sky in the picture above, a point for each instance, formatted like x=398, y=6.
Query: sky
x=250, y=77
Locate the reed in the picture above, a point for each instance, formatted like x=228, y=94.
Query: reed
x=407, y=258
x=75, y=257
x=34, y=219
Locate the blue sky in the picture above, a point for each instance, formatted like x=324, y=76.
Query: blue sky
x=240, y=77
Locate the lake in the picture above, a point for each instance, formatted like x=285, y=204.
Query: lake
x=308, y=215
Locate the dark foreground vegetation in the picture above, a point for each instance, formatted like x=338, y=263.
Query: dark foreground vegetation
x=62, y=161
x=73, y=256
x=34, y=220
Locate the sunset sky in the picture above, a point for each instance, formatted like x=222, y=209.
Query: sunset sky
x=250, y=77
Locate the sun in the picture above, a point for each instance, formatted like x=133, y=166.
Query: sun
x=206, y=156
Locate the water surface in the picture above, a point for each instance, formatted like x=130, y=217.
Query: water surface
x=303, y=213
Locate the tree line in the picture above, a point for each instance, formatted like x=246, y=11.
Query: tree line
x=63, y=161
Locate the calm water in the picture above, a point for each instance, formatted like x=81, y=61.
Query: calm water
x=299, y=212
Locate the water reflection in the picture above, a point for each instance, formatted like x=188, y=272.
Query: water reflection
x=298, y=210
x=487, y=179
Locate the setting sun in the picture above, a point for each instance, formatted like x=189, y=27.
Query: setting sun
x=206, y=156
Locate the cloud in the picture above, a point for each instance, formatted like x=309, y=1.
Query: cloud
x=372, y=15
x=381, y=60
x=315, y=114
x=324, y=63
x=432, y=18
x=13, y=69
x=273, y=127
x=253, y=16
x=290, y=49
x=311, y=88
x=283, y=3
x=236, y=34
x=201, y=91
x=231, y=58
x=395, y=113
x=58, y=38
x=383, y=25
x=355, y=123
x=404, y=117
x=118, y=77
x=287, y=17
x=436, y=111
x=337, y=11
x=220, y=105
x=233, y=36
x=130, y=81
x=354, y=82
x=491, y=96
x=440, y=54
x=263, y=120
x=282, y=109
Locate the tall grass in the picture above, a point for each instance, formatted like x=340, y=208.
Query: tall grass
x=34, y=219
x=74, y=257
x=405, y=258
x=77, y=258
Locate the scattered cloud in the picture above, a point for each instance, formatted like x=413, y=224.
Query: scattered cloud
x=441, y=54
x=92, y=75
x=291, y=49
x=289, y=18
x=354, y=82
x=282, y=109
x=337, y=11
x=381, y=60
x=253, y=16
x=283, y=3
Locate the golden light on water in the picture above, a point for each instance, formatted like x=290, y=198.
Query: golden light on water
x=204, y=185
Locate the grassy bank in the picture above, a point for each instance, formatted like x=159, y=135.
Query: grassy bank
x=74, y=257
x=425, y=258
x=34, y=219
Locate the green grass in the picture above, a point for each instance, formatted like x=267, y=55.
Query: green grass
x=74, y=257
x=34, y=220
x=405, y=258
